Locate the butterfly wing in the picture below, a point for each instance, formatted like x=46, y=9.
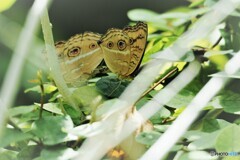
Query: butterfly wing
x=72, y=50
x=81, y=55
x=138, y=39
x=61, y=58
x=92, y=52
x=116, y=50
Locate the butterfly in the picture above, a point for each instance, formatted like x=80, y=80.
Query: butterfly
x=123, y=49
x=79, y=57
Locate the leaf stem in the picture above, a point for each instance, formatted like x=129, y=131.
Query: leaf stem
x=218, y=41
x=42, y=100
x=174, y=70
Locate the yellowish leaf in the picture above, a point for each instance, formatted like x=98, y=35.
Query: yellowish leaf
x=6, y=4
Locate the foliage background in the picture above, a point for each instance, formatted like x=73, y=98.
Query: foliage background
x=210, y=132
x=69, y=18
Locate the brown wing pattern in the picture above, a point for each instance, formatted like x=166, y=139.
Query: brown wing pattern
x=138, y=38
x=122, y=50
x=79, y=56
x=116, y=50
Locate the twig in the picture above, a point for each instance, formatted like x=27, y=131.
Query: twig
x=14, y=125
x=42, y=100
x=159, y=82
x=218, y=41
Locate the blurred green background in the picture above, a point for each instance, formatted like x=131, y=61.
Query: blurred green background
x=68, y=18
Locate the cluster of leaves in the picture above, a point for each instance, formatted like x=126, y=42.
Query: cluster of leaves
x=52, y=129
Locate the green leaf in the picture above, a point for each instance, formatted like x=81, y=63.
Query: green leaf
x=160, y=115
x=215, y=53
x=194, y=135
x=215, y=103
x=185, y=96
x=76, y=117
x=223, y=123
x=141, y=102
x=107, y=108
x=141, y=15
x=196, y=155
x=147, y=138
x=158, y=45
x=196, y=3
x=61, y=153
x=182, y=99
x=210, y=3
x=111, y=87
x=55, y=96
x=53, y=129
x=32, y=116
x=167, y=21
x=8, y=154
x=48, y=88
x=21, y=110
x=237, y=121
x=149, y=16
x=205, y=142
x=6, y=4
x=28, y=113
x=88, y=130
x=230, y=102
x=225, y=33
x=225, y=75
x=235, y=13
x=88, y=96
x=161, y=128
x=210, y=125
x=234, y=24
x=177, y=147
x=154, y=36
x=33, y=89
x=29, y=152
x=228, y=139
x=181, y=15
x=52, y=107
x=12, y=136
x=178, y=111
x=188, y=57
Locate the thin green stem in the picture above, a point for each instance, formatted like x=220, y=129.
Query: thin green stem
x=53, y=61
x=42, y=100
